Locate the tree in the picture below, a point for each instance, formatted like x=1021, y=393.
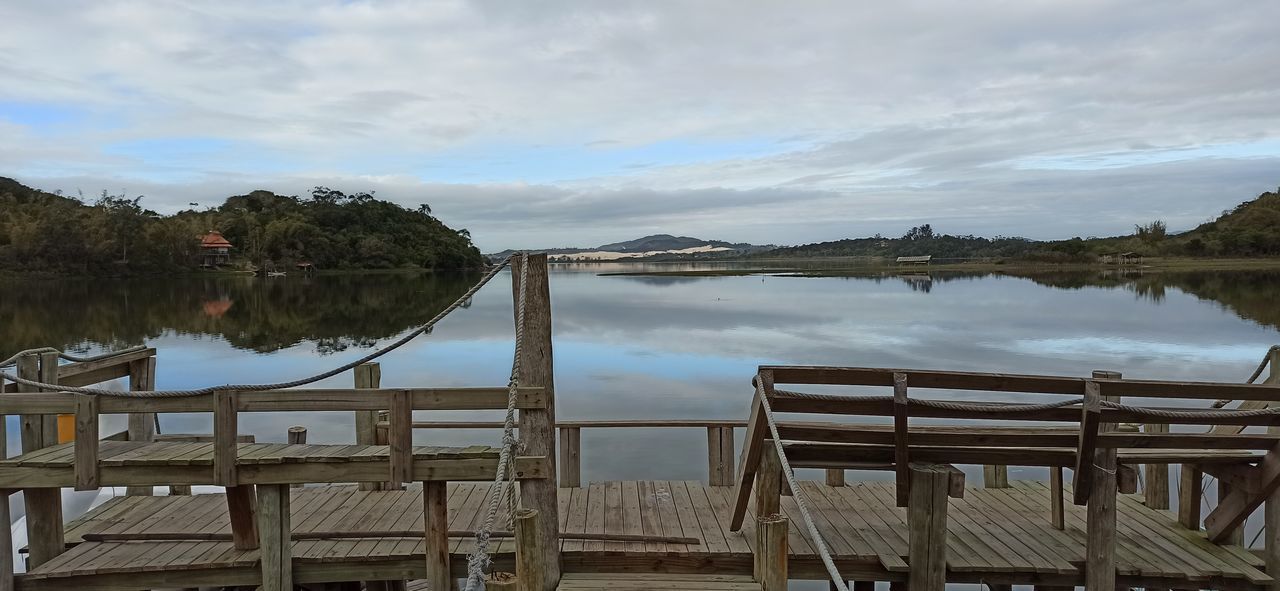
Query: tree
x=1151, y=233
x=125, y=218
x=924, y=232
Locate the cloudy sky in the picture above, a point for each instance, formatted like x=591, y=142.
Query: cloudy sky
x=538, y=124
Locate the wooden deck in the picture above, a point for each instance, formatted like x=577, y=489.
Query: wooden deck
x=995, y=535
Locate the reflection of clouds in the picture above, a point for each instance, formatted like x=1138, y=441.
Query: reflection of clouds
x=1088, y=347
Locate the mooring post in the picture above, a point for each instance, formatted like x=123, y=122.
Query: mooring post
x=44, y=505
x=771, y=552
x=142, y=425
x=435, y=522
x=927, y=527
x=1100, y=546
x=529, y=551
x=1271, y=537
x=570, y=457
x=276, y=549
x=367, y=376
x=1057, y=509
x=835, y=477
x=537, y=426
x=994, y=476
x=720, y=455
x=297, y=435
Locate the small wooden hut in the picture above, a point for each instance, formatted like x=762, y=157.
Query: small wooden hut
x=214, y=249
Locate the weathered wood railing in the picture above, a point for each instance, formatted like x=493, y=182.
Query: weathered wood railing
x=1093, y=448
x=720, y=443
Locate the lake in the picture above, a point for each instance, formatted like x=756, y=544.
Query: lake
x=631, y=347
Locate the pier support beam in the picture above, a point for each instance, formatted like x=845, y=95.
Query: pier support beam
x=1100, y=547
x=276, y=548
x=435, y=521
x=537, y=427
x=927, y=527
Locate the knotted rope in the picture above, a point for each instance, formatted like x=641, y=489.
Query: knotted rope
x=425, y=328
x=504, y=479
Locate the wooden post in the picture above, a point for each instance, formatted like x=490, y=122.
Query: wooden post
x=400, y=433
x=901, y=451
x=529, y=552
x=44, y=505
x=994, y=476
x=1236, y=536
x=367, y=376
x=1189, y=496
x=537, y=427
x=1157, y=482
x=720, y=456
x=142, y=426
x=436, y=533
x=927, y=526
x=242, y=510
x=297, y=435
x=1100, y=546
x=570, y=457
x=498, y=581
x=225, y=438
x=835, y=477
x=771, y=552
x=1271, y=534
x=276, y=551
x=86, y=442
x=1057, y=509
x=768, y=486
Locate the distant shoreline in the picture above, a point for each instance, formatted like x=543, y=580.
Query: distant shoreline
x=857, y=266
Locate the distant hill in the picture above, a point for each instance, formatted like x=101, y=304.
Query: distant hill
x=652, y=247
x=115, y=235
x=1250, y=229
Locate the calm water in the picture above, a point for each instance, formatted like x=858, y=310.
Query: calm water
x=649, y=347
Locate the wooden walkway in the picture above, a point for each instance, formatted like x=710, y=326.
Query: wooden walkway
x=995, y=535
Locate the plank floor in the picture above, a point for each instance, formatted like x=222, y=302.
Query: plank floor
x=992, y=533
x=137, y=453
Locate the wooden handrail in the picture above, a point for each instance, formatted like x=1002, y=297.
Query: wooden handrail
x=590, y=424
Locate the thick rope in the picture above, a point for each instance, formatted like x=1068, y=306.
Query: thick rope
x=504, y=478
x=1257, y=373
x=837, y=580
x=425, y=328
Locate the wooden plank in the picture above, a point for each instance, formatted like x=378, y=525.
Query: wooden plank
x=901, y=451
x=142, y=426
x=80, y=374
x=1189, y=496
x=43, y=505
x=751, y=445
x=1157, y=483
x=276, y=551
x=716, y=475
x=1056, y=509
x=570, y=457
x=225, y=430
x=768, y=485
x=86, y=443
x=401, y=440
x=537, y=426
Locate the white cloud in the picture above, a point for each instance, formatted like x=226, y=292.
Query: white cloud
x=534, y=124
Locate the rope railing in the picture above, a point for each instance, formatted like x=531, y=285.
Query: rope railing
x=504, y=478
x=424, y=329
x=1257, y=373
x=68, y=356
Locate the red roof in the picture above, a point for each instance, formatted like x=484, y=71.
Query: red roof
x=214, y=239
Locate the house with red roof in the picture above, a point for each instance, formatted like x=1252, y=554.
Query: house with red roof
x=214, y=249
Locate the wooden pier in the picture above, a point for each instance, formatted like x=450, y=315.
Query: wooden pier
x=383, y=514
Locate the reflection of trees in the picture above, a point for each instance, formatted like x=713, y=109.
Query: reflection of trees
x=1249, y=294
x=335, y=312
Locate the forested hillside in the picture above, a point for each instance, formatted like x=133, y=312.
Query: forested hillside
x=118, y=235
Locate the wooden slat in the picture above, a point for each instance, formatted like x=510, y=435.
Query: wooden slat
x=225, y=427
x=401, y=439
x=86, y=443
x=750, y=456
x=1091, y=418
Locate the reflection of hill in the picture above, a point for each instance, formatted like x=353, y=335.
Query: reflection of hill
x=333, y=311
x=1249, y=294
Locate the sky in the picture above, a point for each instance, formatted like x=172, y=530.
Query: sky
x=557, y=123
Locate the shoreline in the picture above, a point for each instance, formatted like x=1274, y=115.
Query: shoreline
x=847, y=267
